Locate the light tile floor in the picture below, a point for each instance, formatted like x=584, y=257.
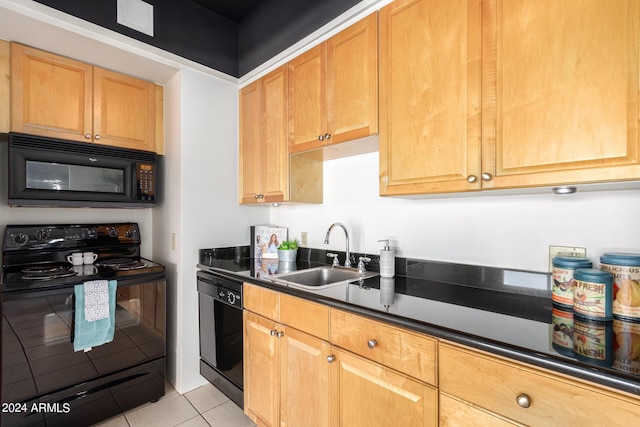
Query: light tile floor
x=203, y=407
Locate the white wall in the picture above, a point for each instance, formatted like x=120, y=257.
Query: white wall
x=511, y=231
x=201, y=205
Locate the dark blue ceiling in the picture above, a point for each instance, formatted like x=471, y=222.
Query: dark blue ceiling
x=231, y=36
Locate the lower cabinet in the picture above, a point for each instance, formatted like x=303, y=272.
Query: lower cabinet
x=283, y=362
x=295, y=377
x=457, y=413
x=286, y=371
x=306, y=364
x=478, y=386
x=365, y=393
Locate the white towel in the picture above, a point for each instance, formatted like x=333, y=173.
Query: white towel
x=96, y=300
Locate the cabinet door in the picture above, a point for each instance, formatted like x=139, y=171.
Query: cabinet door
x=261, y=370
x=124, y=111
x=307, y=100
x=274, y=140
x=305, y=374
x=560, y=89
x=430, y=83
x=250, y=147
x=50, y=95
x=352, y=82
x=367, y=394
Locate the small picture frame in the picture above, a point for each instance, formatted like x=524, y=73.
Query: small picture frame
x=265, y=240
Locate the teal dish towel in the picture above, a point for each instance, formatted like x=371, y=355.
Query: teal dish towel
x=94, y=300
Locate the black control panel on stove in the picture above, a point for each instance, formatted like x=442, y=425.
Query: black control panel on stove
x=39, y=237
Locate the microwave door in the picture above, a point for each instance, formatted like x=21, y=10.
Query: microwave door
x=49, y=175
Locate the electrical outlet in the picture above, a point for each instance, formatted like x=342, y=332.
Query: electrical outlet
x=304, y=239
x=568, y=251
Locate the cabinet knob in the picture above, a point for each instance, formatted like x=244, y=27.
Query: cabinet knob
x=279, y=334
x=273, y=332
x=331, y=358
x=87, y=136
x=486, y=176
x=320, y=137
x=97, y=137
x=372, y=343
x=523, y=400
x=471, y=179
x=327, y=136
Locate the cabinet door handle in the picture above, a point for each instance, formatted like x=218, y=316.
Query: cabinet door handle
x=523, y=400
x=273, y=332
x=97, y=137
x=486, y=176
x=327, y=136
x=331, y=358
x=87, y=136
x=372, y=343
x=471, y=179
x=280, y=334
x=320, y=137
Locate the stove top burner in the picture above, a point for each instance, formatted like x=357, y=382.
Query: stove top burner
x=123, y=264
x=46, y=272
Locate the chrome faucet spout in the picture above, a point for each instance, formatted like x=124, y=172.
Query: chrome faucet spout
x=347, y=261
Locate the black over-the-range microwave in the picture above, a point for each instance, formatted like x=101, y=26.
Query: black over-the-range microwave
x=54, y=172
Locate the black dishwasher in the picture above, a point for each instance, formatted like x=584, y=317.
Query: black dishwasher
x=220, y=307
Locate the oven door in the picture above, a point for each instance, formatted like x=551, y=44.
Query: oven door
x=39, y=364
x=221, y=332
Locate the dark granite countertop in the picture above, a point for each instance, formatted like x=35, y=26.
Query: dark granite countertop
x=505, y=312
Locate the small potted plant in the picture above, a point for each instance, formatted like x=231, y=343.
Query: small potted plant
x=288, y=251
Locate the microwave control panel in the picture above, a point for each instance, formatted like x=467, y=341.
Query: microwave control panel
x=146, y=182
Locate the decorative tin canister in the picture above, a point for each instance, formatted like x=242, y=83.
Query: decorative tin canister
x=562, y=335
x=625, y=269
x=593, y=293
x=593, y=341
x=563, y=282
x=627, y=346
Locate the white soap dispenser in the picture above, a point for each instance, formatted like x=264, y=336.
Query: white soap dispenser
x=387, y=260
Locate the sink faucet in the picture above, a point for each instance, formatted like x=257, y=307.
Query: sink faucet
x=347, y=261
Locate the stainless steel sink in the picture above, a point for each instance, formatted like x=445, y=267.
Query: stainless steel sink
x=321, y=277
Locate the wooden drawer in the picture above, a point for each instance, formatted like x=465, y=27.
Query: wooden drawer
x=262, y=301
x=407, y=352
x=494, y=383
x=305, y=316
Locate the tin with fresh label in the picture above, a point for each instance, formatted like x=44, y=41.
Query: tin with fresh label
x=593, y=341
x=625, y=269
x=562, y=335
x=563, y=281
x=593, y=294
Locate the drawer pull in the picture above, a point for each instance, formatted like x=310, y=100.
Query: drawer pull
x=331, y=358
x=372, y=343
x=523, y=401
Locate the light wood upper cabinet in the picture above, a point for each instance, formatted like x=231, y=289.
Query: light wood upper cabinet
x=62, y=98
x=265, y=168
x=264, y=159
x=560, y=89
x=124, y=111
x=5, y=86
x=333, y=91
x=500, y=94
x=430, y=101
